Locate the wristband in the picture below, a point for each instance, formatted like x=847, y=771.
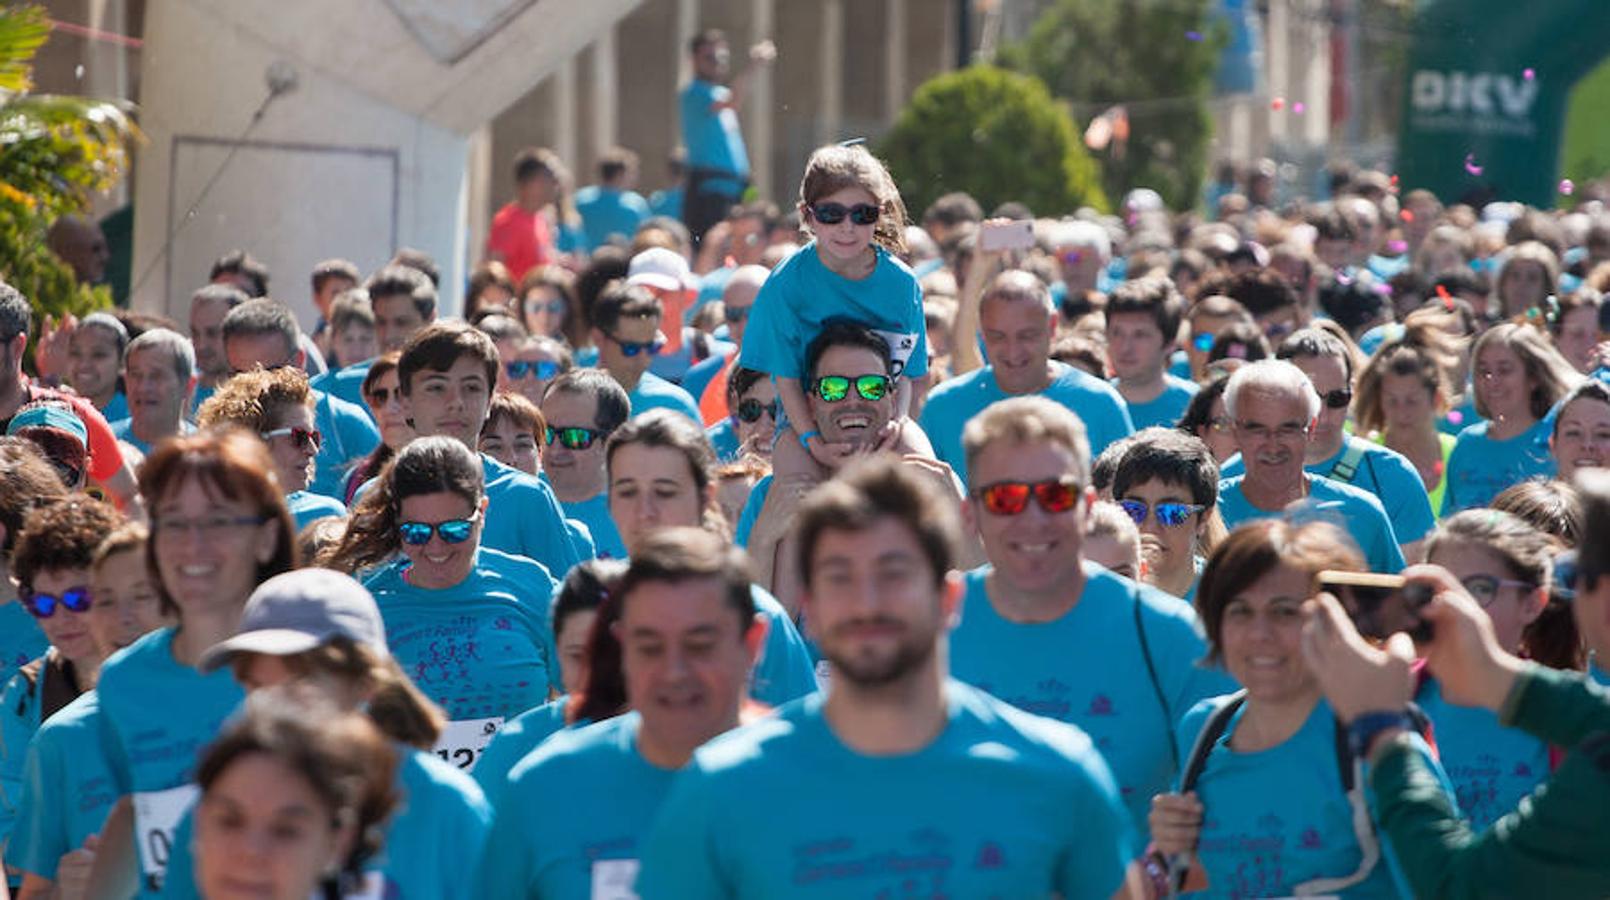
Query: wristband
x=1366, y=727
x=805, y=439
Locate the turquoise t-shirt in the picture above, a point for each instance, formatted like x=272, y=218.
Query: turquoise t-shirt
x=594, y=513
x=514, y=741
x=712, y=136
x=801, y=295
x=1383, y=472
x=1481, y=467
x=201, y=395
x=1356, y=512
x=1166, y=408
x=21, y=639
x=157, y=716
x=123, y=430
x=538, y=853
x=434, y=841
x=116, y=408
x=67, y=788
x=609, y=214
x=999, y=804
x=481, y=649
x=524, y=518
x=21, y=705
x=1087, y=668
x=723, y=437
x=786, y=670
x=951, y=404
x=345, y=383
x=308, y=507
x=349, y=435
x=654, y=392
x=751, y=511
x=1276, y=818
x=1491, y=767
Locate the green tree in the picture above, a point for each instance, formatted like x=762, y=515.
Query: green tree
x=55, y=153
x=995, y=134
x=1157, y=59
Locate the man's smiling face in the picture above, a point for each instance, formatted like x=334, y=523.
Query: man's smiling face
x=853, y=420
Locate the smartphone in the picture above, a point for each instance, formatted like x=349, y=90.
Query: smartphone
x=1380, y=605
x=1013, y=235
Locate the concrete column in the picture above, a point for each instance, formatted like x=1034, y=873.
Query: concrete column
x=760, y=108
x=687, y=25
x=562, y=91
x=894, y=59
x=830, y=116
x=606, y=95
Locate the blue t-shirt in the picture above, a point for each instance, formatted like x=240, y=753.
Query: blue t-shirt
x=667, y=202
x=157, y=716
x=712, y=137
x=524, y=518
x=514, y=741
x=723, y=437
x=1492, y=767
x=1356, y=512
x=1276, y=818
x=349, y=435
x=201, y=395
x=999, y=804
x=345, y=383
x=786, y=670
x=308, y=507
x=801, y=295
x=536, y=853
x=751, y=511
x=67, y=788
x=1383, y=472
x=1166, y=408
x=594, y=513
x=699, y=375
x=123, y=430
x=1481, y=467
x=1088, y=668
x=654, y=392
x=610, y=214
x=21, y=639
x=21, y=705
x=481, y=649
x=1460, y=417
x=434, y=841
x=116, y=408
x=951, y=404
x=675, y=366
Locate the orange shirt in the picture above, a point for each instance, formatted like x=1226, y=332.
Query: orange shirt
x=521, y=239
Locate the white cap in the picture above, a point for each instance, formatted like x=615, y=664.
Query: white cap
x=658, y=267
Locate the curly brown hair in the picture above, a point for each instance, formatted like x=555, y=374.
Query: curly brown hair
x=255, y=400
x=62, y=536
x=27, y=482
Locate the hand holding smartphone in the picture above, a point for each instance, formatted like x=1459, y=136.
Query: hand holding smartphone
x=996, y=235
x=1380, y=605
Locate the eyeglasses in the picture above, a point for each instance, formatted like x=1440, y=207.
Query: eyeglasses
x=543, y=369
x=1338, y=399
x=452, y=531
x=1485, y=588
x=1203, y=342
x=751, y=410
x=1277, y=330
x=632, y=348
x=833, y=388
x=1290, y=431
x=206, y=526
x=573, y=438
x=1009, y=498
x=381, y=396
x=1170, y=513
x=43, y=606
x=303, y=438
x=551, y=307
x=834, y=213
x=735, y=314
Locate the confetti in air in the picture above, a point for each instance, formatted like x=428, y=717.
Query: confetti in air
x=1298, y=107
x=1567, y=187
x=1529, y=74
x=1277, y=104
x=1470, y=164
x=1193, y=35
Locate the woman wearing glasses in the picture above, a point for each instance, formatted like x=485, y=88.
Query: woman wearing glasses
x=219, y=527
x=1168, y=483
x=539, y=361
x=1507, y=566
x=752, y=423
x=277, y=406
x=548, y=305
x=662, y=475
x=382, y=393
x=467, y=623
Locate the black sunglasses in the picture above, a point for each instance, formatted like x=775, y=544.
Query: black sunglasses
x=1340, y=398
x=751, y=410
x=834, y=213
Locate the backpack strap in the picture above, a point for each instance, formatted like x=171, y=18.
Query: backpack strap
x=1346, y=468
x=1157, y=685
x=1217, y=723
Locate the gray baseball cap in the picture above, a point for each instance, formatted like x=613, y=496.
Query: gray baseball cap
x=298, y=611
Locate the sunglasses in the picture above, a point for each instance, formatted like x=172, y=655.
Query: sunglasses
x=833, y=388
x=1340, y=398
x=735, y=314
x=304, y=438
x=1170, y=513
x=453, y=531
x=573, y=438
x=1009, y=498
x=542, y=369
x=43, y=606
x=834, y=213
x=1203, y=342
x=551, y=307
x=751, y=410
x=381, y=396
x=632, y=348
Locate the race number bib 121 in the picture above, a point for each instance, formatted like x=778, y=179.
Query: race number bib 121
x=614, y=879
x=461, y=742
x=156, y=817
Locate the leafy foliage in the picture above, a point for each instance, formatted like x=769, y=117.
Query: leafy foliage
x=55, y=152
x=995, y=134
x=1097, y=53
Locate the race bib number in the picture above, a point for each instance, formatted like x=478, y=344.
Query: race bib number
x=461, y=742
x=156, y=817
x=614, y=879
x=901, y=345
